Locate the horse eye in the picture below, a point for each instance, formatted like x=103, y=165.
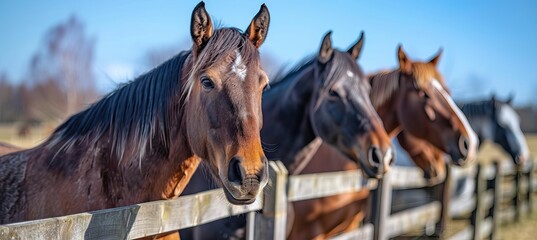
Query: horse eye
x=423, y=94
x=207, y=83
x=333, y=93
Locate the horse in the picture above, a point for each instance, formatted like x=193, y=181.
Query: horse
x=6, y=148
x=323, y=99
x=495, y=121
x=143, y=141
x=413, y=98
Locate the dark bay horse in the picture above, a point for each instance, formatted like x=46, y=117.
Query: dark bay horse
x=143, y=141
x=411, y=98
x=324, y=99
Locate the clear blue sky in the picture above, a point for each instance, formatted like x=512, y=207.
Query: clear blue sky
x=488, y=45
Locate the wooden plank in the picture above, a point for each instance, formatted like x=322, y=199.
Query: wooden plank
x=465, y=234
x=488, y=199
x=309, y=186
x=407, y=178
x=488, y=172
x=406, y=221
x=272, y=222
x=462, y=206
x=486, y=228
x=364, y=233
x=507, y=215
x=466, y=171
x=134, y=221
x=382, y=208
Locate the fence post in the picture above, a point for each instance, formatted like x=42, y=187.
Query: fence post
x=272, y=222
x=495, y=209
x=477, y=214
x=530, y=186
x=518, y=200
x=382, y=207
x=442, y=192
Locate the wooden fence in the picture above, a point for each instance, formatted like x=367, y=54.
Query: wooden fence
x=153, y=218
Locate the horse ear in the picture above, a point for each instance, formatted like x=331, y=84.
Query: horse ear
x=356, y=49
x=493, y=98
x=404, y=63
x=510, y=98
x=436, y=58
x=201, y=27
x=326, y=51
x=258, y=28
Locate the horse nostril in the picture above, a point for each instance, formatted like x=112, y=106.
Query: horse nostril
x=375, y=156
x=463, y=146
x=236, y=172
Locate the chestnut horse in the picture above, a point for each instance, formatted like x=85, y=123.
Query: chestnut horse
x=324, y=99
x=143, y=141
x=413, y=98
x=494, y=120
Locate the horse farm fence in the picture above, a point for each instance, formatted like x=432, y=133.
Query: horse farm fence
x=502, y=194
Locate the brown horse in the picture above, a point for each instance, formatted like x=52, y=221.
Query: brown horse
x=143, y=141
x=412, y=98
x=326, y=100
x=6, y=148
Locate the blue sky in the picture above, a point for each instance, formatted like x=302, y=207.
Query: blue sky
x=488, y=45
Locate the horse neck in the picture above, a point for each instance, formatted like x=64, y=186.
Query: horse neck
x=131, y=177
x=387, y=109
x=286, y=108
x=481, y=121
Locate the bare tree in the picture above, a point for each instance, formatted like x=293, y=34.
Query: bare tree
x=61, y=72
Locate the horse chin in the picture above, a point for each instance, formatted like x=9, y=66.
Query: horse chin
x=238, y=201
x=370, y=172
x=434, y=177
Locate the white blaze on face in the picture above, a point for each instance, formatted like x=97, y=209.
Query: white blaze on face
x=238, y=67
x=473, y=141
x=508, y=118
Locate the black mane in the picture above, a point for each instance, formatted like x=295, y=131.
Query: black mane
x=130, y=116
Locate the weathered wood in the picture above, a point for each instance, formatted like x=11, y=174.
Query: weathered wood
x=412, y=219
x=477, y=215
x=464, y=234
x=134, y=221
x=495, y=208
x=407, y=178
x=462, y=206
x=382, y=208
x=443, y=194
x=364, y=233
x=518, y=199
x=271, y=223
x=308, y=186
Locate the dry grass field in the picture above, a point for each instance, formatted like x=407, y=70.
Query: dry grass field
x=526, y=229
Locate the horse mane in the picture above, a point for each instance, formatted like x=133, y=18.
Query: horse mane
x=383, y=86
x=338, y=66
x=480, y=108
x=385, y=83
x=131, y=116
x=135, y=114
x=283, y=74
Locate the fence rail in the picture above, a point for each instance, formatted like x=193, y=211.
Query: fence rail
x=157, y=217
